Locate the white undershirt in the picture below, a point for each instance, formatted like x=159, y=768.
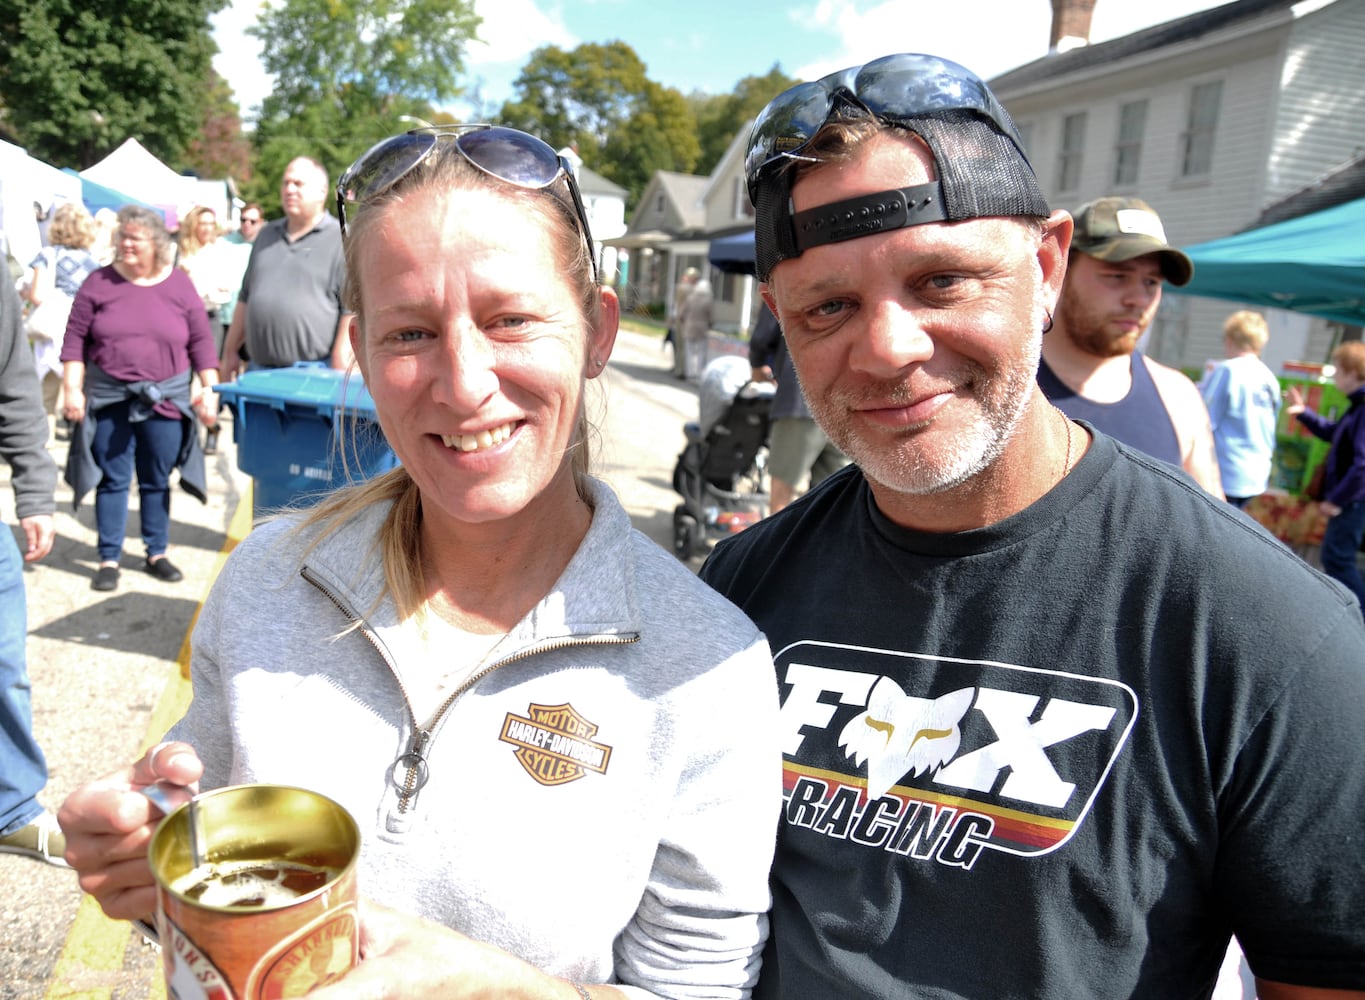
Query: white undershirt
x=439, y=661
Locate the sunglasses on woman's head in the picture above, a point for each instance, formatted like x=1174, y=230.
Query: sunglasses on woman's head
x=503, y=153
x=891, y=89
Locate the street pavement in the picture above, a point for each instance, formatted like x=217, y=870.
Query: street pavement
x=107, y=675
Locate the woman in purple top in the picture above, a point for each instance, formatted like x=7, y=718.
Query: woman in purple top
x=137, y=331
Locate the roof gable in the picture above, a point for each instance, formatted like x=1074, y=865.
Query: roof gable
x=682, y=211
x=1185, y=29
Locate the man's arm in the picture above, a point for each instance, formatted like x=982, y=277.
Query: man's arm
x=1190, y=418
x=342, y=356
x=232, y=343
x=23, y=432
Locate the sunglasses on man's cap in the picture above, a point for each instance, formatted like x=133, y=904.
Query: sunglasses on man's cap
x=892, y=89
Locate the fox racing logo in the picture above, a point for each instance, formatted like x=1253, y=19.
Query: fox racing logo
x=900, y=734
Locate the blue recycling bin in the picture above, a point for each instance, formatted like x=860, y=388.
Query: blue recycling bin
x=302, y=432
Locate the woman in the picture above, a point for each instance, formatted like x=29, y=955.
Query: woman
x=137, y=331
x=55, y=276
x=1343, y=484
x=215, y=267
x=201, y=259
x=449, y=617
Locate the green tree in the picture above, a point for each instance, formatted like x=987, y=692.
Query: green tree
x=346, y=71
x=77, y=78
x=220, y=149
x=720, y=117
x=599, y=96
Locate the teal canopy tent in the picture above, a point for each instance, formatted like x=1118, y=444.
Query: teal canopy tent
x=97, y=196
x=1313, y=264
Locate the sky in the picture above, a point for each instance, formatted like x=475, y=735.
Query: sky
x=709, y=45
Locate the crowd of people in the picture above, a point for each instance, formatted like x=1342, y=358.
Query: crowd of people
x=1014, y=701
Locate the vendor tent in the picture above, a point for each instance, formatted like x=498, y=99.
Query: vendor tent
x=1313, y=264
x=131, y=168
x=26, y=182
x=733, y=254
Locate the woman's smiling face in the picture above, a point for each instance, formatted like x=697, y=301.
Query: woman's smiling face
x=475, y=349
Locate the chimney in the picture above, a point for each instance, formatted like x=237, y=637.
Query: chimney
x=1070, y=24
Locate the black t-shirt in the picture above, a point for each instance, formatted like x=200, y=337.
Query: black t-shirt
x=1065, y=755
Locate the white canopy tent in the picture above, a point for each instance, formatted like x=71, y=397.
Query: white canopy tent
x=135, y=171
x=24, y=182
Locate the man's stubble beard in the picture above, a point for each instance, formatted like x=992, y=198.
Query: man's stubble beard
x=1085, y=329
x=904, y=467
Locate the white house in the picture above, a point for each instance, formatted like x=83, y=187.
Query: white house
x=1210, y=118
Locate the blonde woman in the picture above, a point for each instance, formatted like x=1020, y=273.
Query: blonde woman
x=55, y=276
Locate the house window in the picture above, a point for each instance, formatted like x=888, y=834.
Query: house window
x=1069, y=158
x=659, y=204
x=1197, y=142
x=1128, y=149
x=743, y=207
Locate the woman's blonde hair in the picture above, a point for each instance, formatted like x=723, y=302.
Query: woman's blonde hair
x=189, y=229
x=72, y=226
x=1247, y=330
x=399, y=541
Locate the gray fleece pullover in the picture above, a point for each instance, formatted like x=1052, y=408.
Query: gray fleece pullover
x=601, y=802
x=23, y=424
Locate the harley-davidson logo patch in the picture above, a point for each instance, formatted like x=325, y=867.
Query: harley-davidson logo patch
x=554, y=743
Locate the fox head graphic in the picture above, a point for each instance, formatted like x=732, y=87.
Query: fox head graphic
x=899, y=734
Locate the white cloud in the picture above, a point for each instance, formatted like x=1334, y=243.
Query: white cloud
x=1014, y=33
x=512, y=29
x=239, y=56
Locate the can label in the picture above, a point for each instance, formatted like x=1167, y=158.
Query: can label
x=190, y=974
x=318, y=954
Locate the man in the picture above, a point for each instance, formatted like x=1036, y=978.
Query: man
x=1092, y=369
x=800, y=455
x=249, y=224
x=686, y=282
x=26, y=828
x=289, y=308
x=694, y=328
x=1055, y=723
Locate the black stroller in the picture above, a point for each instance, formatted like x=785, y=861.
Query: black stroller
x=720, y=474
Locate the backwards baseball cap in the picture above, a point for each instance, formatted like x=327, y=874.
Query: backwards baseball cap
x=1117, y=229
x=978, y=155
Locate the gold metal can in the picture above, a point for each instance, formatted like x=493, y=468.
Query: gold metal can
x=272, y=910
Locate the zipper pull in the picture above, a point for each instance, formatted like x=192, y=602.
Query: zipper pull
x=414, y=771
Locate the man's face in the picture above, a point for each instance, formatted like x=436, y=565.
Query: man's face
x=303, y=190
x=1106, y=306
x=251, y=224
x=917, y=348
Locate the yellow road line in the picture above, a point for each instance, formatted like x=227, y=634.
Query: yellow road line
x=95, y=945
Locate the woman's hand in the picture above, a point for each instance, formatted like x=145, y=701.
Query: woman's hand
x=108, y=824
x=1328, y=508
x=206, y=407
x=73, y=403
x=405, y=956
